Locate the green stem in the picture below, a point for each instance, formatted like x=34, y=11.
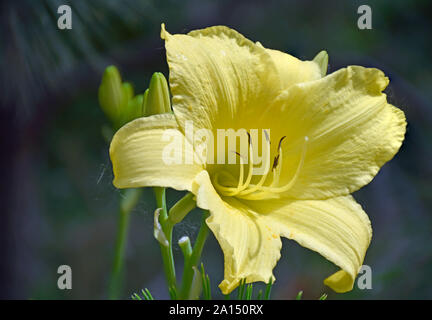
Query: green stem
x=193, y=260
x=166, y=251
x=117, y=271
x=128, y=201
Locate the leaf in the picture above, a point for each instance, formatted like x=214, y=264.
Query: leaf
x=249, y=291
x=260, y=294
x=206, y=284
x=241, y=289
x=146, y=295
x=268, y=289
x=323, y=297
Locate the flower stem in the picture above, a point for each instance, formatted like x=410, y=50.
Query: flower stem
x=166, y=251
x=128, y=201
x=194, y=258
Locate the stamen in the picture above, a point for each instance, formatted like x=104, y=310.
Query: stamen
x=240, y=182
x=267, y=136
x=275, y=162
x=263, y=177
x=296, y=174
x=249, y=138
x=248, y=191
x=242, y=186
x=249, y=177
x=280, y=143
x=277, y=170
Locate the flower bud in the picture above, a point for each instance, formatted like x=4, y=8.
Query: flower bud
x=322, y=60
x=117, y=99
x=158, y=98
x=113, y=96
x=185, y=246
x=144, y=103
x=128, y=90
x=133, y=109
x=182, y=208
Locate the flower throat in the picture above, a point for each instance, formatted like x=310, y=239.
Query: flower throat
x=249, y=191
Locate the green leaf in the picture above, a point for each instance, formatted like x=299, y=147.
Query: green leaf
x=135, y=296
x=260, y=294
x=145, y=295
x=206, y=284
x=172, y=293
x=323, y=297
x=241, y=289
x=249, y=291
x=268, y=289
x=148, y=294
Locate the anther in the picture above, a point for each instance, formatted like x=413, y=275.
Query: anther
x=280, y=143
x=267, y=136
x=275, y=162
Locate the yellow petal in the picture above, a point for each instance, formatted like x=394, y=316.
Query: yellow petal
x=336, y=228
x=250, y=248
x=151, y=151
x=352, y=131
x=292, y=70
x=218, y=78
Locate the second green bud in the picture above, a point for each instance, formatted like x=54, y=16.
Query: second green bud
x=156, y=99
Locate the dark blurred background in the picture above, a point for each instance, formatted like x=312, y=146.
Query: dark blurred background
x=58, y=203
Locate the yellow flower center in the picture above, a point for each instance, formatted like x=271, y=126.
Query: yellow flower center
x=244, y=189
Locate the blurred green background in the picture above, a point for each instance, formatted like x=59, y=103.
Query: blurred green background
x=59, y=206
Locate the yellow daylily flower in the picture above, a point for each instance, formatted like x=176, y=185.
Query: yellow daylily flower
x=329, y=135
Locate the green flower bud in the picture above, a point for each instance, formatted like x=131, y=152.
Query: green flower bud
x=158, y=98
x=128, y=90
x=182, y=208
x=133, y=109
x=185, y=246
x=322, y=60
x=144, y=103
x=113, y=95
x=117, y=99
